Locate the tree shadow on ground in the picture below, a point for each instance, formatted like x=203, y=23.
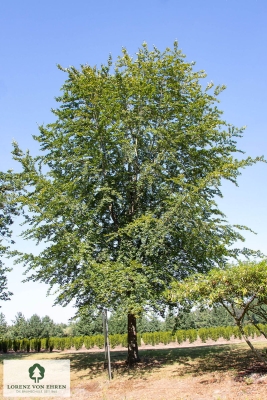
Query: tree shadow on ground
x=195, y=361
x=190, y=360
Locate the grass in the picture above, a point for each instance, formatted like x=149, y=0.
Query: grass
x=88, y=373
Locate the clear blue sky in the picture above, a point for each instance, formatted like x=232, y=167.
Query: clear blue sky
x=226, y=38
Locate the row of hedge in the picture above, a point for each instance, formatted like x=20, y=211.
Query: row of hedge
x=151, y=338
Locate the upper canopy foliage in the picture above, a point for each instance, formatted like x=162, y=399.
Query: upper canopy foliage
x=123, y=193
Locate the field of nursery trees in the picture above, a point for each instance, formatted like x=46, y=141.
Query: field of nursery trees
x=146, y=338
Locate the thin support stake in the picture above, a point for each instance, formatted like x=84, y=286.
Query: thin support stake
x=107, y=348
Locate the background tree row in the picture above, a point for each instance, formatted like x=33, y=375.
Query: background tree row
x=148, y=338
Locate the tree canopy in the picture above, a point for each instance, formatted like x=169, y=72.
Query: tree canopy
x=241, y=289
x=34, y=327
x=123, y=192
x=7, y=212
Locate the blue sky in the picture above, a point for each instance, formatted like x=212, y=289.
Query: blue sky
x=226, y=38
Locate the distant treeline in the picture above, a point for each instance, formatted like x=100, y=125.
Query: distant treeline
x=87, y=325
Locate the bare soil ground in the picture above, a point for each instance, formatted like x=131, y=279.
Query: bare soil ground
x=199, y=372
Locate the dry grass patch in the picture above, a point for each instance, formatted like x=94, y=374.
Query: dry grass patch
x=207, y=372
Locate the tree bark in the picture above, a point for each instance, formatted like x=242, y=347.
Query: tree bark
x=255, y=351
x=133, y=356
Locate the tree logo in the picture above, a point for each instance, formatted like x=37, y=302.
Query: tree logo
x=36, y=372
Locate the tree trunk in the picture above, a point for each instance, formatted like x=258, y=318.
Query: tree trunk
x=133, y=356
x=255, y=351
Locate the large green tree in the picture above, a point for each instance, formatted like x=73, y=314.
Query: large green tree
x=123, y=191
x=7, y=212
